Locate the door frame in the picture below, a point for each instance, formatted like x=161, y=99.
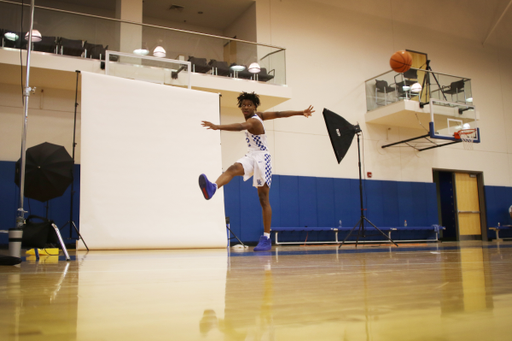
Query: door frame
x=481, y=199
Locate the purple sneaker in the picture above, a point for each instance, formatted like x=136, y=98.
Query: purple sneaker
x=265, y=244
x=207, y=187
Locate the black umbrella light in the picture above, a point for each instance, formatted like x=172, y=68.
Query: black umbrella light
x=48, y=171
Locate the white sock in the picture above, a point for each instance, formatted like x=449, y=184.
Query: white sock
x=266, y=234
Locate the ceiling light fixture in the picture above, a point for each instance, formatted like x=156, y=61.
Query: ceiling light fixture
x=416, y=88
x=159, y=51
x=141, y=52
x=11, y=36
x=254, y=68
x=237, y=68
x=36, y=36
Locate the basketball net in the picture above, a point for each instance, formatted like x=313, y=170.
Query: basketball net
x=467, y=136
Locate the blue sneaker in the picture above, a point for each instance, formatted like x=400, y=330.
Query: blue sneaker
x=207, y=187
x=265, y=244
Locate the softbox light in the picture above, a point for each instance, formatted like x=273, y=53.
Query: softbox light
x=341, y=133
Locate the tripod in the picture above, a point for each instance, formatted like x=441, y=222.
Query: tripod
x=428, y=68
x=363, y=219
x=70, y=221
x=228, y=226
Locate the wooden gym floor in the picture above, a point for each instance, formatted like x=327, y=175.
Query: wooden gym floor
x=443, y=291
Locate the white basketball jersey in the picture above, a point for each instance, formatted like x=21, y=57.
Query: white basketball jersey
x=256, y=142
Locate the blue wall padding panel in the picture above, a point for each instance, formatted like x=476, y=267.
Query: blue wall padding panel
x=432, y=206
x=498, y=200
x=373, y=194
x=275, y=198
x=308, y=210
x=325, y=204
x=309, y=201
x=9, y=199
x=406, y=203
x=59, y=209
x=390, y=207
x=346, y=202
x=288, y=201
x=250, y=212
x=296, y=201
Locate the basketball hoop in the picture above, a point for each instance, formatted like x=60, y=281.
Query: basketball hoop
x=467, y=136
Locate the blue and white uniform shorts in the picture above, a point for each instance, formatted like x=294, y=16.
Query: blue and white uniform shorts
x=257, y=164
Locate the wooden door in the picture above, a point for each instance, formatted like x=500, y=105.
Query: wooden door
x=419, y=61
x=230, y=52
x=468, y=206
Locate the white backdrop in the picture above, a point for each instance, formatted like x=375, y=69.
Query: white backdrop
x=142, y=150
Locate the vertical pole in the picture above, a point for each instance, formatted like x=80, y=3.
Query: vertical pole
x=14, y=250
x=73, y=156
x=360, y=184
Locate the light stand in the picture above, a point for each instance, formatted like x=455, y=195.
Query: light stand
x=363, y=218
x=341, y=134
x=16, y=233
x=70, y=221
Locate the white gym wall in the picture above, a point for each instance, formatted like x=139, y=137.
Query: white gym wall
x=332, y=47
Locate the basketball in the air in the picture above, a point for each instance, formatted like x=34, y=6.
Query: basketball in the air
x=400, y=61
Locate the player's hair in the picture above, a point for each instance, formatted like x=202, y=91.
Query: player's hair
x=250, y=96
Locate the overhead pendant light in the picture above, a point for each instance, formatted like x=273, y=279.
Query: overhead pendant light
x=254, y=68
x=237, y=68
x=416, y=88
x=159, y=51
x=142, y=52
x=36, y=36
x=11, y=36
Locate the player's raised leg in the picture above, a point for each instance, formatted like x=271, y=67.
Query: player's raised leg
x=235, y=169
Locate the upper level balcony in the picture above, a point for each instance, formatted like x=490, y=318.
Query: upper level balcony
x=73, y=41
x=417, y=85
x=438, y=104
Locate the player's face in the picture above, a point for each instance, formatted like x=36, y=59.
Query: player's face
x=248, y=108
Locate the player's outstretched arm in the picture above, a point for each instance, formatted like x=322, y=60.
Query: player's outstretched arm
x=229, y=127
x=270, y=115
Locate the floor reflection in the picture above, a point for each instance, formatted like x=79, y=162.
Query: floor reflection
x=413, y=292
x=248, y=311
x=374, y=293
x=36, y=297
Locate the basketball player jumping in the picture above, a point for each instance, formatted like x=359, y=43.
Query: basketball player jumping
x=256, y=162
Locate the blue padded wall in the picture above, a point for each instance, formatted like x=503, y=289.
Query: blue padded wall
x=296, y=201
x=309, y=201
x=9, y=199
x=498, y=199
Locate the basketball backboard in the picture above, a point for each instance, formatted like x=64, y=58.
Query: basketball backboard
x=442, y=111
x=440, y=121
x=448, y=118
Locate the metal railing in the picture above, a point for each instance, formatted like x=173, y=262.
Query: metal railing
x=88, y=36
